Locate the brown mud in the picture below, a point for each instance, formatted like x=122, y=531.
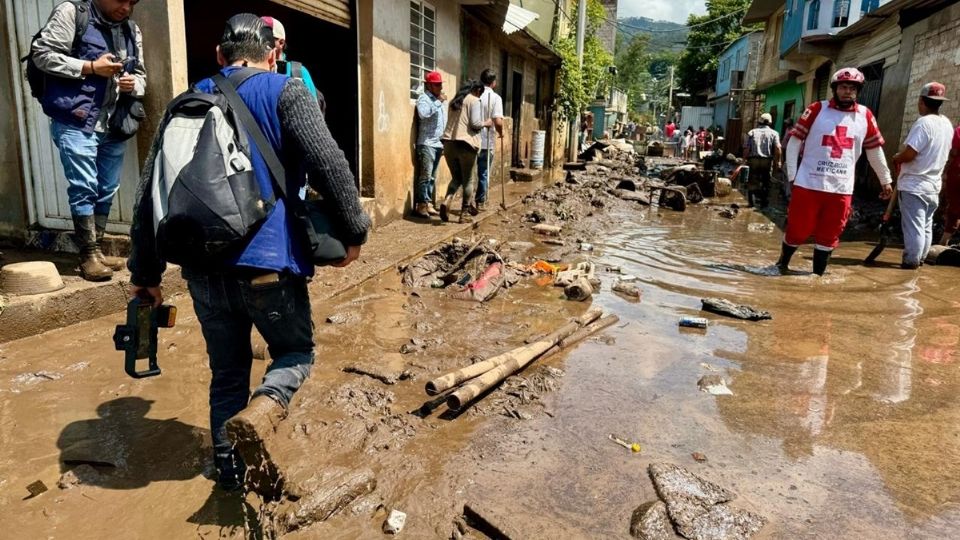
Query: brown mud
x=844, y=420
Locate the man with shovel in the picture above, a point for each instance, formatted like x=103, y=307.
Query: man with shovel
x=492, y=110
x=833, y=134
x=921, y=162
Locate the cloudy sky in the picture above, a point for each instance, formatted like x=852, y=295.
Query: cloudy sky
x=666, y=10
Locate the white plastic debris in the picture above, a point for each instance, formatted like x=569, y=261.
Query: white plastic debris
x=395, y=522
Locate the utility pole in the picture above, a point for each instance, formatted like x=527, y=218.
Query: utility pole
x=581, y=30
x=670, y=98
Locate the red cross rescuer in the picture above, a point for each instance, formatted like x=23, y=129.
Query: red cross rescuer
x=832, y=134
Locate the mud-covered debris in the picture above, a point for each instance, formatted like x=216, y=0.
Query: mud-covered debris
x=578, y=291
x=423, y=327
x=534, y=216
x=321, y=496
x=81, y=474
x=394, y=522
x=37, y=488
x=385, y=372
x=699, y=457
x=723, y=187
x=627, y=290
x=761, y=227
x=547, y=230
x=650, y=521
x=721, y=306
x=729, y=213
x=714, y=385
x=343, y=318
x=696, y=507
x=449, y=262
x=363, y=399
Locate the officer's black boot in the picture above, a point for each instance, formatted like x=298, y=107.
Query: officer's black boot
x=786, y=253
x=820, y=259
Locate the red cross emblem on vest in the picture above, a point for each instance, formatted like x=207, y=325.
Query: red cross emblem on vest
x=838, y=143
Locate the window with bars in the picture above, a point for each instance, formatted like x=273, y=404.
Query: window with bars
x=423, y=44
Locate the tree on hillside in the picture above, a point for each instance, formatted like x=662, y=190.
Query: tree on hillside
x=709, y=35
x=632, y=75
x=579, y=86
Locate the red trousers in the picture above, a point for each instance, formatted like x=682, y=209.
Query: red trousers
x=816, y=213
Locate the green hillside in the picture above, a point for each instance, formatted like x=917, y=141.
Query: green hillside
x=660, y=38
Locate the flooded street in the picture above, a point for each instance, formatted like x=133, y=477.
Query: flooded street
x=844, y=420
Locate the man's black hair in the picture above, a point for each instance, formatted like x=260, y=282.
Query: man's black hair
x=932, y=104
x=246, y=37
x=488, y=77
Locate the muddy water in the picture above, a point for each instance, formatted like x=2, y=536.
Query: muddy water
x=843, y=421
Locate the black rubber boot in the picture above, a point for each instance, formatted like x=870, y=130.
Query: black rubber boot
x=820, y=259
x=786, y=253
x=91, y=269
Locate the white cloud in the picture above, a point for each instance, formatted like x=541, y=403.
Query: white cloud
x=664, y=10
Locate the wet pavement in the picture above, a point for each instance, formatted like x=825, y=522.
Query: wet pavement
x=844, y=420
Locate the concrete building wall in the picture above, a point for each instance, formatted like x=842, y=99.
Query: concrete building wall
x=778, y=96
x=13, y=211
x=935, y=57
x=387, y=112
x=608, y=30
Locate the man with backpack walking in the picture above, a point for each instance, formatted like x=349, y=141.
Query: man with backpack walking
x=188, y=203
x=86, y=56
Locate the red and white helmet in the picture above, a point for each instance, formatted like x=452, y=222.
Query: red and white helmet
x=847, y=75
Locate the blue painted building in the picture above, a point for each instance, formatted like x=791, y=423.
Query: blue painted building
x=736, y=73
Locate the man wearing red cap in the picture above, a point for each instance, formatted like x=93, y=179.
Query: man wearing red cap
x=432, y=118
x=921, y=163
x=833, y=134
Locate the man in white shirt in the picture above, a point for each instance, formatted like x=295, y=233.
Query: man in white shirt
x=492, y=110
x=921, y=164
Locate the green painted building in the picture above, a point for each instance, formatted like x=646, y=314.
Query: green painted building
x=783, y=100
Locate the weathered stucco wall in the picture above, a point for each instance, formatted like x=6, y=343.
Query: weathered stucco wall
x=388, y=112
x=13, y=216
x=165, y=55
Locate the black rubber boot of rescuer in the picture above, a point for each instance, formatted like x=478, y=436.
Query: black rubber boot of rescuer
x=820, y=259
x=786, y=253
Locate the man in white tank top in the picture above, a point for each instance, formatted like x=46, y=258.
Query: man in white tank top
x=833, y=134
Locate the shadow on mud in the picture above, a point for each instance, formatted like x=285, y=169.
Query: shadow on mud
x=123, y=449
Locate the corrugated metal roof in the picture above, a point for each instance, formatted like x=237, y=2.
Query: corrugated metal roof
x=518, y=19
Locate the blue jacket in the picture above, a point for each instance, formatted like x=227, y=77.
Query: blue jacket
x=77, y=102
x=273, y=247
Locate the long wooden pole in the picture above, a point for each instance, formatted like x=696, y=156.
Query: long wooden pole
x=488, y=380
x=535, y=349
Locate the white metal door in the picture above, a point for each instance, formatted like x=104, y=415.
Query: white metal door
x=41, y=162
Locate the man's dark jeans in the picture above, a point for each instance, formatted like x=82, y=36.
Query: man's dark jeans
x=227, y=307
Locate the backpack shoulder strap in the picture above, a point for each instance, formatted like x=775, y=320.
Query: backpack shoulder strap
x=296, y=70
x=229, y=89
x=81, y=21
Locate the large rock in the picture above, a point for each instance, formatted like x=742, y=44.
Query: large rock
x=650, y=521
x=697, y=507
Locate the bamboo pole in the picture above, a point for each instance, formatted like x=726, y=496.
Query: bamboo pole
x=454, y=378
x=491, y=378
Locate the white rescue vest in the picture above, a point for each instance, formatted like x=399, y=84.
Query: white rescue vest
x=832, y=148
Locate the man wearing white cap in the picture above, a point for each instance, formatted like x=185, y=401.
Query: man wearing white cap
x=921, y=164
x=289, y=67
x=762, y=152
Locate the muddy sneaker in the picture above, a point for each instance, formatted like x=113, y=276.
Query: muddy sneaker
x=432, y=210
x=444, y=213
x=114, y=263
x=465, y=218
x=230, y=471
x=473, y=210
x=249, y=430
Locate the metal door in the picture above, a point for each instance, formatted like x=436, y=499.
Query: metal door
x=43, y=173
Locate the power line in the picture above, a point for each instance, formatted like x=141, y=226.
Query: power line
x=682, y=28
